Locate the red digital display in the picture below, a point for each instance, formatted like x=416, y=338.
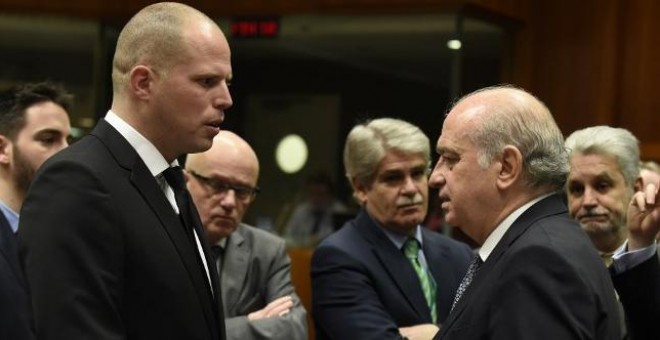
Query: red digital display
x=255, y=28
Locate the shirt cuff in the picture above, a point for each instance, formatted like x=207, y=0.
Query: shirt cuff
x=625, y=260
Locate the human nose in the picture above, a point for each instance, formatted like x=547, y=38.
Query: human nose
x=227, y=198
x=223, y=100
x=409, y=186
x=437, y=179
x=590, y=198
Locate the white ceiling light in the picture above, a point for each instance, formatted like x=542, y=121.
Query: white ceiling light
x=454, y=44
x=291, y=154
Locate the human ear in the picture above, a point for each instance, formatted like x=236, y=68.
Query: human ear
x=6, y=149
x=511, y=167
x=359, y=191
x=141, y=81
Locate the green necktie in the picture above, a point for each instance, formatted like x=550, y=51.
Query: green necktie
x=411, y=249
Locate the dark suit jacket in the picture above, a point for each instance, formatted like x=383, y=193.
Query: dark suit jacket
x=15, y=316
x=363, y=287
x=639, y=292
x=106, y=256
x=257, y=270
x=543, y=280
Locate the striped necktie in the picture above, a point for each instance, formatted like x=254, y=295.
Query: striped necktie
x=411, y=249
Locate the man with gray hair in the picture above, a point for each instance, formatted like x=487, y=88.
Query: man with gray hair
x=383, y=275
x=604, y=166
x=536, y=276
x=603, y=177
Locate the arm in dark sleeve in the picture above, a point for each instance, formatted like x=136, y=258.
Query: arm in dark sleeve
x=639, y=292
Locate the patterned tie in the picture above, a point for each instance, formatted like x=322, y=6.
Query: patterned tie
x=411, y=249
x=467, y=279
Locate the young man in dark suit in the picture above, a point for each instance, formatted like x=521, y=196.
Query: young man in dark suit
x=111, y=244
x=34, y=125
x=537, y=275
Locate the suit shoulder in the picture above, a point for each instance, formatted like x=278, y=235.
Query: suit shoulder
x=259, y=235
x=344, y=236
x=445, y=241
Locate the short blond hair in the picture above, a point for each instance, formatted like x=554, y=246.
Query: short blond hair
x=154, y=37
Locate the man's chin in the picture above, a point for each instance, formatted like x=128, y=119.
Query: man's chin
x=596, y=227
x=221, y=231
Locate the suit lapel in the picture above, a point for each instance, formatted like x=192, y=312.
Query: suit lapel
x=439, y=264
x=149, y=189
x=234, y=268
x=395, y=264
x=548, y=206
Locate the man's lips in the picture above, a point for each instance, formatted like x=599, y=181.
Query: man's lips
x=593, y=218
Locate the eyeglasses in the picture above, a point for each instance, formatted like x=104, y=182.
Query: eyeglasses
x=242, y=192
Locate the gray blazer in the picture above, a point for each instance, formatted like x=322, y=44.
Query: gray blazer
x=255, y=271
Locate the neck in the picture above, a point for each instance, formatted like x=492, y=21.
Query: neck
x=608, y=242
x=510, y=202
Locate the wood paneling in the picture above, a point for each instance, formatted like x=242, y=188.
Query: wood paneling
x=639, y=108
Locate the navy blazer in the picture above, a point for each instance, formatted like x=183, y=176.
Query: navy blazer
x=15, y=315
x=543, y=280
x=363, y=287
x=106, y=256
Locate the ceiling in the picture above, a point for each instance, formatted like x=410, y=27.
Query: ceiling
x=407, y=46
x=411, y=46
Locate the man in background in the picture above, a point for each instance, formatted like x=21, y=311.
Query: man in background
x=314, y=219
x=110, y=242
x=536, y=276
x=604, y=167
x=383, y=275
x=604, y=175
x=254, y=268
x=34, y=125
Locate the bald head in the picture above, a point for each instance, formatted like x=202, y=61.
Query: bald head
x=155, y=37
x=229, y=163
x=506, y=115
x=228, y=151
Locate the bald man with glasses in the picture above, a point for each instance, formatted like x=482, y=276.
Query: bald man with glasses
x=253, y=265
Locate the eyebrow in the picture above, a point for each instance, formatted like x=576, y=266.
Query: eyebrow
x=49, y=130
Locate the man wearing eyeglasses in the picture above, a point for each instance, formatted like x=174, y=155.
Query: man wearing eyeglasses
x=254, y=268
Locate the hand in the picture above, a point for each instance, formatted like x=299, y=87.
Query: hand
x=643, y=217
x=419, y=332
x=278, y=307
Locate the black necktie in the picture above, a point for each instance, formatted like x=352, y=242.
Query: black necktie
x=218, y=251
x=174, y=177
x=467, y=279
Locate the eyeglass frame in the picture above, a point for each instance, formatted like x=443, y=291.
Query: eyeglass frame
x=220, y=187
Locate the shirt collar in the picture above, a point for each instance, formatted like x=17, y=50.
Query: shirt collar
x=397, y=239
x=10, y=215
x=496, y=236
x=144, y=148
